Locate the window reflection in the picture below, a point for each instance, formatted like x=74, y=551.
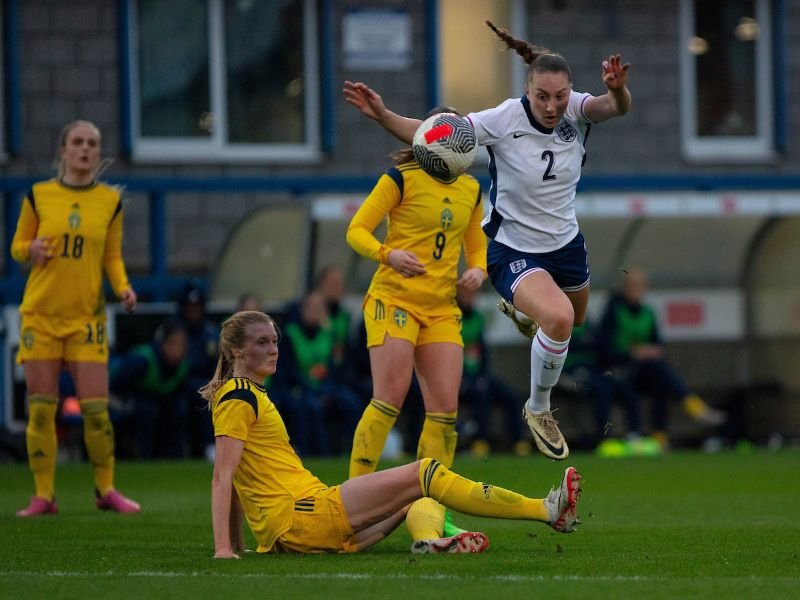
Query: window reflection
x=725, y=54
x=173, y=68
x=264, y=56
x=233, y=79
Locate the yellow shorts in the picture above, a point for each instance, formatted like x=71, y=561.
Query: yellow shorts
x=71, y=340
x=319, y=524
x=381, y=318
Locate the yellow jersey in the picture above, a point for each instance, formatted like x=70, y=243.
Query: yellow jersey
x=85, y=224
x=270, y=476
x=432, y=219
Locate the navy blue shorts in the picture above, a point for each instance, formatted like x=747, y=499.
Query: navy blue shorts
x=568, y=266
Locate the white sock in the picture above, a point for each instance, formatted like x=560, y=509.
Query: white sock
x=547, y=361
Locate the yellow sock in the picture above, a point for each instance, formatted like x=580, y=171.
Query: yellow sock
x=425, y=519
x=661, y=438
x=371, y=432
x=98, y=435
x=474, y=498
x=694, y=405
x=438, y=438
x=42, y=443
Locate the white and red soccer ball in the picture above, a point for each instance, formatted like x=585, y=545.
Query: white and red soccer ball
x=445, y=145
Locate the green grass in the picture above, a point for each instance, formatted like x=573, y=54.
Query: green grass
x=686, y=525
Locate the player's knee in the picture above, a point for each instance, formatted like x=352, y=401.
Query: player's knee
x=559, y=326
x=96, y=421
x=42, y=414
x=41, y=422
x=566, y=316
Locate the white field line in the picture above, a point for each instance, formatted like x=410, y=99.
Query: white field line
x=387, y=576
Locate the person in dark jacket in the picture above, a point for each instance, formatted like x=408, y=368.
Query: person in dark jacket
x=322, y=412
x=631, y=348
x=153, y=377
x=203, y=334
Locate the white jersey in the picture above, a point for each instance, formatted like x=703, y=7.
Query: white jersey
x=534, y=172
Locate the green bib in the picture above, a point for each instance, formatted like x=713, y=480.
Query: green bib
x=633, y=328
x=152, y=380
x=471, y=330
x=312, y=354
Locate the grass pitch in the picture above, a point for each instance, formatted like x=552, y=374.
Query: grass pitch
x=685, y=525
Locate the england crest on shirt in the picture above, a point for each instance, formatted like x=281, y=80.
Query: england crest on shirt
x=566, y=131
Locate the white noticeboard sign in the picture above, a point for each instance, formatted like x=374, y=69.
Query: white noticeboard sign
x=376, y=39
x=700, y=314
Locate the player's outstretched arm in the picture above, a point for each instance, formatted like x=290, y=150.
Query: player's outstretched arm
x=617, y=101
x=370, y=104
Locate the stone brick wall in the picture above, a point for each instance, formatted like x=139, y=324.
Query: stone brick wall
x=69, y=68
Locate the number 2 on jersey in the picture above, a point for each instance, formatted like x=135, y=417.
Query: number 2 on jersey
x=551, y=161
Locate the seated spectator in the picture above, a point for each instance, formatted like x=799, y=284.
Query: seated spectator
x=359, y=364
x=330, y=284
x=631, y=349
x=317, y=397
x=153, y=377
x=480, y=389
x=584, y=376
x=203, y=336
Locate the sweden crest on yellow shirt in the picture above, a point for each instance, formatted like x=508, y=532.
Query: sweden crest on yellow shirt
x=74, y=218
x=446, y=218
x=27, y=338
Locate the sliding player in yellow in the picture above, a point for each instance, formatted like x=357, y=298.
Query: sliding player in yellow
x=411, y=316
x=258, y=476
x=70, y=229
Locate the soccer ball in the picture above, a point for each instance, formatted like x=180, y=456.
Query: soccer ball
x=445, y=146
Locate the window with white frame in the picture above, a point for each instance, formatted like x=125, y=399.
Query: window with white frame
x=726, y=81
x=224, y=80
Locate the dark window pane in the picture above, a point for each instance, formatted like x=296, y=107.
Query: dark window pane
x=265, y=61
x=174, y=68
x=726, y=34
